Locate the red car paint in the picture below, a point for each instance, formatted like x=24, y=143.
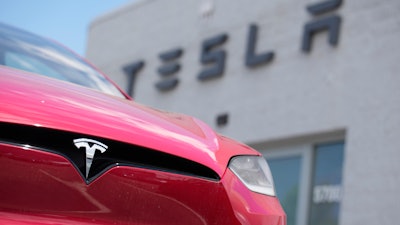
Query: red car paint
x=40, y=101
x=41, y=187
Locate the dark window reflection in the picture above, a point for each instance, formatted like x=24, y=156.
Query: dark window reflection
x=327, y=184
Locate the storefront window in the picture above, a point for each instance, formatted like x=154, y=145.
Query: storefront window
x=308, y=181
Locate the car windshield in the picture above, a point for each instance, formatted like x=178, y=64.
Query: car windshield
x=26, y=51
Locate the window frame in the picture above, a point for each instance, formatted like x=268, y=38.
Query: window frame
x=304, y=147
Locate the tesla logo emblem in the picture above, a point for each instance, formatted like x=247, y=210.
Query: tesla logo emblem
x=90, y=147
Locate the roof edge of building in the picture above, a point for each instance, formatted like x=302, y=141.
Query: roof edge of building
x=118, y=11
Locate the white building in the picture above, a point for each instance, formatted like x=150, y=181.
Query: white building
x=313, y=85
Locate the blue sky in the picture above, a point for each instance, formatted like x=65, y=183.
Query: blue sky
x=65, y=21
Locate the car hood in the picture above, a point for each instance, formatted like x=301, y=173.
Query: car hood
x=35, y=100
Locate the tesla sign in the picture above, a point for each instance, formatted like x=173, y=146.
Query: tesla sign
x=213, y=55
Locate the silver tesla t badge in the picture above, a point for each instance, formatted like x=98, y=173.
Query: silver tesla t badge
x=90, y=146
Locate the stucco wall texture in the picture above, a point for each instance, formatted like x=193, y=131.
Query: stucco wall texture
x=352, y=87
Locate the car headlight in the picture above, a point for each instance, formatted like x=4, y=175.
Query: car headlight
x=254, y=172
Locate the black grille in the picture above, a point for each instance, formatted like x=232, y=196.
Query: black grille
x=118, y=153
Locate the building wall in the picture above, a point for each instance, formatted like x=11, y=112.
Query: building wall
x=347, y=91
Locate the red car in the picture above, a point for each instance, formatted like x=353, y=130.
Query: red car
x=75, y=149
